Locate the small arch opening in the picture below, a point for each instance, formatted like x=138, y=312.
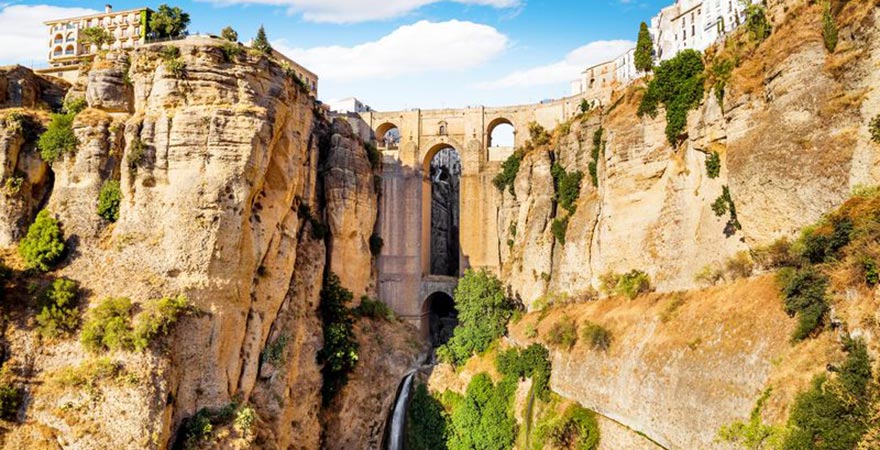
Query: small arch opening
x=388, y=136
x=442, y=318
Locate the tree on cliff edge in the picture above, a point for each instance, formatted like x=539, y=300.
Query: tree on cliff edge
x=644, y=58
x=261, y=42
x=169, y=22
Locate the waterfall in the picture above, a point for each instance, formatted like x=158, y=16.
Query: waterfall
x=395, y=433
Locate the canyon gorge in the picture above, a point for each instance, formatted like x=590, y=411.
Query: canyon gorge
x=315, y=263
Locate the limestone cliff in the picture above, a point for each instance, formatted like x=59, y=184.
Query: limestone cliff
x=229, y=172
x=792, y=136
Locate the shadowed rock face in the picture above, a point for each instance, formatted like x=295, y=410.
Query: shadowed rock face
x=22, y=88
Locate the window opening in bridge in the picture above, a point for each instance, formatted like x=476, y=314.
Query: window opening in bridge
x=445, y=178
x=442, y=318
x=388, y=137
x=502, y=136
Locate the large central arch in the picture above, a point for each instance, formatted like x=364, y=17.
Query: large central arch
x=441, y=211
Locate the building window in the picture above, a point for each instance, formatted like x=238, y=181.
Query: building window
x=69, y=50
x=57, y=51
x=684, y=35
x=70, y=37
x=693, y=30
x=443, y=130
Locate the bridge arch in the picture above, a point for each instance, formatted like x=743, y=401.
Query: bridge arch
x=388, y=135
x=439, y=317
x=441, y=207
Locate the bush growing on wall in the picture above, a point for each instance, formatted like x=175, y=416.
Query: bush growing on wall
x=678, y=86
x=874, y=128
x=568, y=186
x=484, y=418
x=108, y=326
x=597, y=336
x=532, y=362
x=483, y=313
x=829, y=28
x=713, y=165
x=577, y=428
x=756, y=22
x=804, y=292
x=43, y=245
x=426, y=422
x=57, y=314
x=509, y=169
x=340, y=353
x=724, y=205
x=58, y=138
x=109, y=199
x=10, y=401
x=563, y=334
x=595, y=154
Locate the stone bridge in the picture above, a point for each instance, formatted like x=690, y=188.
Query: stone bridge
x=408, y=281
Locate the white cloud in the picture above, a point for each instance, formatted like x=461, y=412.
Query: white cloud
x=351, y=11
x=417, y=48
x=562, y=71
x=23, y=37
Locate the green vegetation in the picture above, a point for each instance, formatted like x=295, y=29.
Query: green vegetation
x=74, y=105
x=874, y=128
x=109, y=199
x=43, y=245
x=713, y=165
x=568, y=186
x=109, y=325
x=12, y=185
x=483, y=313
x=229, y=34
x=538, y=135
x=374, y=155
x=244, y=421
x=57, y=314
x=563, y=334
x=833, y=414
x=340, y=353
x=201, y=426
x=754, y=434
x=483, y=419
x=87, y=375
x=724, y=205
x=261, y=42
x=631, y=284
x=374, y=309
x=274, y=351
x=426, y=422
x=823, y=242
x=756, y=22
x=584, y=107
x=595, y=154
x=136, y=153
x=597, y=336
x=722, y=71
x=170, y=54
x=97, y=36
x=169, y=22
x=829, y=28
x=509, y=170
x=532, y=362
x=644, y=56
x=231, y=51
x=678, y=86
x=559, y=228
x=157, y=319
x=58, y=138
x=577, y=428
x=319, y=229
x=10, y=401
x=804, y=291
x=376, y=244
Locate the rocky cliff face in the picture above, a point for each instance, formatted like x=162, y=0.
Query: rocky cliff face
x=228, y=172
x=793, y=141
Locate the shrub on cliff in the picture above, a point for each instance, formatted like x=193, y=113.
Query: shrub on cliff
x=756, y=21
x=597, y=336
x=713, y=165
x=58, y=138
x=43, y=245
x=804, y=292
x=483, y=313
x=340, y=352
x=10, y=401
x=559, y=228
x=373, y=309
x=532, y=362
x=829, y=28
x=874, y=128
x=509, y=170
x=724, y=205
x=631, y=284
x=108, y=326
x=483, y=418
x=109, y=199
x=229, y=34
x=57, y=314
x=595, y=154
x=577, y=428
x=678, y=86
x=568, y=186
x=563, y=334
x=833, y=414
x=426, y=422
x=157, y=319
x=754, y=434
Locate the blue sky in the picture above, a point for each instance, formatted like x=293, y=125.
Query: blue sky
x=396, y=54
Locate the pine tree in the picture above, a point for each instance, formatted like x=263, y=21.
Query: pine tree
x=261, y=42
x=644, y=58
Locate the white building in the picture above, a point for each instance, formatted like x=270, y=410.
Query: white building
x=694, y=24
x=598, y=82
x=128, y=29
x=348, y=105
